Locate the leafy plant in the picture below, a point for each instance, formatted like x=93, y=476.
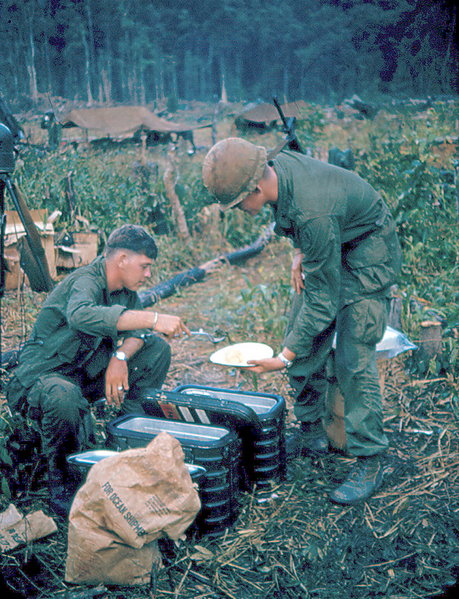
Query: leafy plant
x=5, y=460
x=263, y=308
x=19, y=455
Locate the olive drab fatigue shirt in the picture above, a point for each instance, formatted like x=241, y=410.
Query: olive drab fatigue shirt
x=346, y=233
x=74, y=320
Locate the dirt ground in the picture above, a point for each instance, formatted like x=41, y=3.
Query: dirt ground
x=401, y=544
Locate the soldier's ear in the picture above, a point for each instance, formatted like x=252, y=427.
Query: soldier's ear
x=122, y=260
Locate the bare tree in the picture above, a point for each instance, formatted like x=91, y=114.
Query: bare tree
x=31, y=68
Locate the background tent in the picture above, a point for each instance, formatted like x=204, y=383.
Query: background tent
x=122, y=121
x=266, y=116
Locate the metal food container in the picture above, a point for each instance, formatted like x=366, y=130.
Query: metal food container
x=264, y=458
x=216, y=449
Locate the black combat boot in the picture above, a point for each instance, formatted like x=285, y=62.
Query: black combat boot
x=309, y=440
x=364, y=479
x=60, y=495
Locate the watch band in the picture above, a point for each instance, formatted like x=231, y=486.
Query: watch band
x=120, y=355
x=282, y=358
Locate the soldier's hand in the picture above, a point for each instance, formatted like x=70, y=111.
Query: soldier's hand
x=266, y=365
x=116, y=382
x=297, y=276
x=171, y=326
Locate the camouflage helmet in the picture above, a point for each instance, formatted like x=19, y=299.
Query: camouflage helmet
x=232, y=169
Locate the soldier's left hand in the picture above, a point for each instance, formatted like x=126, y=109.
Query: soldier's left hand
x=116, y=382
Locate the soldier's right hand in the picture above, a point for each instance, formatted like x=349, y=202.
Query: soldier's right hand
x=171, y=326
x=297, y=276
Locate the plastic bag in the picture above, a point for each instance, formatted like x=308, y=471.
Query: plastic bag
x=392, y=344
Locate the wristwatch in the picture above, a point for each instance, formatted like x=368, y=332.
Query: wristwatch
x=282, y=358
x=120, y=355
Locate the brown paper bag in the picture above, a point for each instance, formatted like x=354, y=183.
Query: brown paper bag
x=16, y=529
x=127, y=502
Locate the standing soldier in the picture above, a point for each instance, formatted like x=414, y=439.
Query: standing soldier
x=346, y=257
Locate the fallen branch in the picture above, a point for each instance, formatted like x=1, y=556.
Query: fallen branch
x=196, y=274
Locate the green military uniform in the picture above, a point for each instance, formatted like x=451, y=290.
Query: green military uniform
x=63, y=363
x=351, y=258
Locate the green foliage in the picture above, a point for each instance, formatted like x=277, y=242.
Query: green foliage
x=310, y=130
x=19, y=454
x=422, y=197
x=240, y=229
x=5, y=460
x=111, y=187
x=106, y=190
x=263, y=308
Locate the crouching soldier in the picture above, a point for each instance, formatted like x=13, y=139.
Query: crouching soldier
x=92, y=339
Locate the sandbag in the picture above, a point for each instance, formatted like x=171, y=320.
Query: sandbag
x=127, y=502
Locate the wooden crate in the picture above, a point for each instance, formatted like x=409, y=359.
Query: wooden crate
x=334, y=410
x=14, y=230
x=82, y=252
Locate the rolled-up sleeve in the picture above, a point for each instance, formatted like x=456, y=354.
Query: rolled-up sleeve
x=320, y=242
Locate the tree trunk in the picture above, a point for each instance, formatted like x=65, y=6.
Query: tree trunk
x=223, y=97
x=430, y=338
x=174, y=79
x=161, y=79
x=142, y=92
x=14, y=60
x=87, y=67
x=49, y=76
x=286, y=94
x=170, y=179
x=91, y=59
x=188, y=76
x=31, y=66
x=445, y=81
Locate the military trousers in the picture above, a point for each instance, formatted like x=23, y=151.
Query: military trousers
x=60, y=401
x=359, y=326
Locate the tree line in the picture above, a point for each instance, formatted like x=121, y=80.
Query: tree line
x=141, y=52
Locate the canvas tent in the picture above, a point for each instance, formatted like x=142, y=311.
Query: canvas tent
x=123, y=121
x=266, y=116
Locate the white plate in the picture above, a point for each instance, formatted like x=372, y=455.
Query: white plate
x=239, y=353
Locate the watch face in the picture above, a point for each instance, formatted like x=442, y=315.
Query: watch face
x=120, y=355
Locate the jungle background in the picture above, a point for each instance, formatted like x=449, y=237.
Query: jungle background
x=137, y=52
x=400, y=58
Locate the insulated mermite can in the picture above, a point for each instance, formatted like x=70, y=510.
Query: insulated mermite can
x=205, y=409
x=216, y=449
x=266, y=462
x=80, y=464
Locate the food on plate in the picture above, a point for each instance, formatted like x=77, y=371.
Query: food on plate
x=234, y=356
x=238, y=354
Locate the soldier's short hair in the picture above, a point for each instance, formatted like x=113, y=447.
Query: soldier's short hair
x=133, y=238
